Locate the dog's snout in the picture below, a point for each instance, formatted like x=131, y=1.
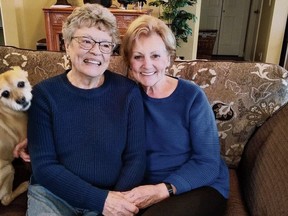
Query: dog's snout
x=21, y=101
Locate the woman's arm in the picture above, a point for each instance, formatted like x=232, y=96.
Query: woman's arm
x=203, y=166
x=134, y=156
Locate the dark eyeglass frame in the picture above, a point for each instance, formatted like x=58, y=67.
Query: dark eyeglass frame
x=103, y=45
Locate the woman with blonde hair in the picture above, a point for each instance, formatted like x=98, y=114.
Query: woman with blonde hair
x=185, y=174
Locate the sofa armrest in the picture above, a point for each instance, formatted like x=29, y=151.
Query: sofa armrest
x=263, y=170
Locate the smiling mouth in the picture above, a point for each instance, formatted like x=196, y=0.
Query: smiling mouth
x=147, y=73
x=92, y=62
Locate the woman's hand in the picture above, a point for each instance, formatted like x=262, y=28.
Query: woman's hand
x=147, y=195
x=116, y=204
x=20, y=150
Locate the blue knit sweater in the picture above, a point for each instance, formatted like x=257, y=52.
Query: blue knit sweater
x=182, y=141
x=85, y=142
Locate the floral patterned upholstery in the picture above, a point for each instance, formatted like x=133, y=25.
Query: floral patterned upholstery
x=242, y=95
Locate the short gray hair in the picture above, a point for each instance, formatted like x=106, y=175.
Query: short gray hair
x=90, y=15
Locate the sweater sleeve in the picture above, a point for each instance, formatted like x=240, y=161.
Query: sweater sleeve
x=134, y=155
x=46, y=167
x=202, y=168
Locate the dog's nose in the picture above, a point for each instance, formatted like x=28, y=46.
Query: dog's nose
x=21, y=101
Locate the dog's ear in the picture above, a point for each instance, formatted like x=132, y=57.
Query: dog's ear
x=25, y=73
x=20, y=70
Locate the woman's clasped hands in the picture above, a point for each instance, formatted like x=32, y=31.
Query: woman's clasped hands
x=146, y=195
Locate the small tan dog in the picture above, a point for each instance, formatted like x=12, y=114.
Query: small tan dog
x=15, y=99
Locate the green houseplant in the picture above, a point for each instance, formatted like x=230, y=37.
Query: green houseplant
x=176, y=17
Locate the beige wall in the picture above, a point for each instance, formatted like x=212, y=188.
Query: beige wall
x=277, y=30
x=189, y=49
x=23, y=21
x=271, y=31
x=9, y=23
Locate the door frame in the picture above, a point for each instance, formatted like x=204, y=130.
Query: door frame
x=253, y=29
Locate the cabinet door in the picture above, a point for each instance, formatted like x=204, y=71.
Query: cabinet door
x=53, y=28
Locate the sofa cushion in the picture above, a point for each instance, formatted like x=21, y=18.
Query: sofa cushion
x=263, y=170
x=242, y=94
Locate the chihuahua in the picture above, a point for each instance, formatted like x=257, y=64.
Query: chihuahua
x=15, y=100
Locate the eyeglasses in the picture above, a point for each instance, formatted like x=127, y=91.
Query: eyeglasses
x=87, y=43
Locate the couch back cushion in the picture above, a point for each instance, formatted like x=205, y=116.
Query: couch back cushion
x=40, y=64
x=242, y=95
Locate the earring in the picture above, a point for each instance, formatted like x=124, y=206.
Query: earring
x=167, y=70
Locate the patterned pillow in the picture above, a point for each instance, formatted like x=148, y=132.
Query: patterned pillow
x=242, y=95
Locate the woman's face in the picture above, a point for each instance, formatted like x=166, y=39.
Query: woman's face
x=93, y=62
x=149, y=60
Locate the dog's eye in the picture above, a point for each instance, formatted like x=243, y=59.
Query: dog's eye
x=5, y=94
x=21, y=84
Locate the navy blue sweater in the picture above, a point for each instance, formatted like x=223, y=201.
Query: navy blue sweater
x=85, y=142
x=182, y=141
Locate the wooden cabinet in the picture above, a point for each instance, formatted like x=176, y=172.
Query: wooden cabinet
x=55, y=16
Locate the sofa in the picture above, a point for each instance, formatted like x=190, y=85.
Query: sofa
x=249, y=100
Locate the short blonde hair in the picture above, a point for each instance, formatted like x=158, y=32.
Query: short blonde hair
x=90, y=15
x=147, y=25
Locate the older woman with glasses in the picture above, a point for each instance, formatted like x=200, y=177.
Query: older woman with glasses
x=86, y=127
